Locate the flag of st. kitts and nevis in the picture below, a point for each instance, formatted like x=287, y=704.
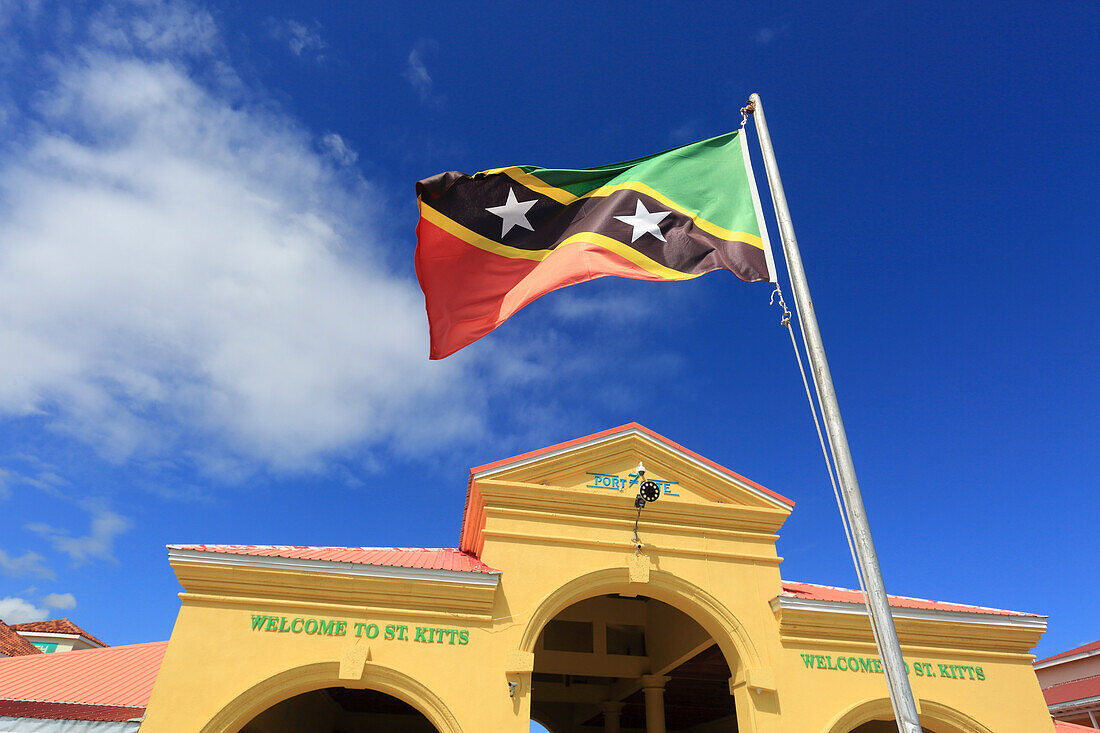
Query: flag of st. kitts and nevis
x=490, y=243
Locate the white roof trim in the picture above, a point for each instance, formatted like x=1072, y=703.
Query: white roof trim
x=1083, y=702
x=212, y=557
x=918, y=614
x=646, y=436
x=56, y=635
x=1066, y=660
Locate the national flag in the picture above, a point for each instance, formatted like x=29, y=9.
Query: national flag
x=491, y=243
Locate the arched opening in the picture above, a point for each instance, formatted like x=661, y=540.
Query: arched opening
x=630, y=664
x=876, y=716
x=340, y=710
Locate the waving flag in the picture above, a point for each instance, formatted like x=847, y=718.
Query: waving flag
x=490, y=243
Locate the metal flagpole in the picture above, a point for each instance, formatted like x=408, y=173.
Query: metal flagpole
x=886, y=637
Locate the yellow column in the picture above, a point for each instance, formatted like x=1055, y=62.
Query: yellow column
x=611, y=712
x=653, y=686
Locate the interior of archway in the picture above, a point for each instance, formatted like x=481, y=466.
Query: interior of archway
x=593, y=660
x=886, y=726
x=340, y=710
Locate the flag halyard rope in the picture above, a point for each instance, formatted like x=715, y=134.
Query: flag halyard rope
x=785, y=320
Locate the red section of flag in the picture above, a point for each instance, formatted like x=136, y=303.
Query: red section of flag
x=468, y=291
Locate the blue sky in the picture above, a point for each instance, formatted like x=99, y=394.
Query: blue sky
x=211, y=332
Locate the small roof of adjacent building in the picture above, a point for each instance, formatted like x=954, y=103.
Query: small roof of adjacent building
x=57, y=626
x=1085, y=650
x=1065, y=692
x=14, y=645
x=112, y=683
x=1061, y=726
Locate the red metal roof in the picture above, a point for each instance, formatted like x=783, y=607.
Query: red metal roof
x=56, y=626
x=624, y=428
x=395, y=557
x=14, y=645
x=117, y=675
x=1061, y=726
x=1094, y=646
x=68, y=711
x=1074, y=690
x=816, y=592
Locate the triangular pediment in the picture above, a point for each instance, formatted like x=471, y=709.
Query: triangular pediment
x=607, y=462
x=594, y=479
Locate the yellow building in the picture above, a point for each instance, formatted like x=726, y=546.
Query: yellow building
x=550, y=611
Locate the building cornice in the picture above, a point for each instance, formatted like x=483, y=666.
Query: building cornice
x=204, y=557
x=1036, y=623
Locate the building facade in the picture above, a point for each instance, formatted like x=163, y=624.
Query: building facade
x=1071, y=685
x=566, y=604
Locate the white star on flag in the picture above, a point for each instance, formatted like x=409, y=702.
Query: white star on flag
x=644, y=222
x=513, y=213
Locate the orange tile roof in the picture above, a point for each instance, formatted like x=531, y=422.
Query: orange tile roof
x=394, y=557
x=68, y=711
x=812, y=591
x=14, y=645
x=1085, y=649
x=117, y=675
x=1072, y=690
x=56, y=626
x=1061, y=726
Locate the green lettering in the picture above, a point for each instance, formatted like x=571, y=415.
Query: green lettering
x=981, y=674
x=918, y=668
x=420, y=634
x=341, y=628
x=807, y=659
x=325, y=627
x=452, y=633
x=273, y=624
x=312, y=630
x=298, y=620
x=970, y=671
x=830, y=661
x=401, y=633
x=464, y=637
x=820, y=662
x=258, y=622
x=282, y=625
x=389, y=632
x=853, y=664
x=838, y=661
x=370, y=634
x=878, y=665
x=943, y=671
x=865, y=665
x=359, y=628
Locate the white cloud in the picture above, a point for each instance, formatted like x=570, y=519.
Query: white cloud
x=416, y=72
x=182, y=273
x=303, y=40
x=97, y=544
x=27, y=564
x=613, y=309
x=62, y=601
x=157, y=27
x=15, y=610
x=338, y=148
